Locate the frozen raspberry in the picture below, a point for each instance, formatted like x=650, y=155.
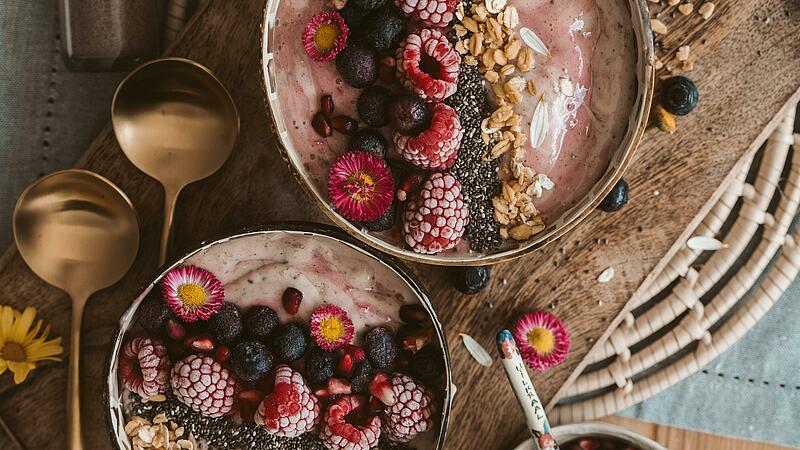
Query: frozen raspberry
x=342, y=429
x=428, y=65
x=432, y=13
x=144, y=366
x=436, y=219
x=411, y=413
x=437, y=147
x=291, y=409
x=204, y=385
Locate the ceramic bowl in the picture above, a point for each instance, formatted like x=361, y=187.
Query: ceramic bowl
x=272, y=64
x=566, y=433
x=113, y=390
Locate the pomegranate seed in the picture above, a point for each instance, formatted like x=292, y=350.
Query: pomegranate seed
x=344, y=124
x=382, y=390
x=175, y=330
x=291, y=300
x=222, y=353
x=588, y=444
x=326, y=104
x=321, y=124
x=410, y=185
x=200, y=344
x=413, y=314
x=338, y=386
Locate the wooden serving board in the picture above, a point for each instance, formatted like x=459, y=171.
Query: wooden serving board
x=747, y=68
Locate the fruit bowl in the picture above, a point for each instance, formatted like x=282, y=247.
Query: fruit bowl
x=314, y=130
x=379, y=310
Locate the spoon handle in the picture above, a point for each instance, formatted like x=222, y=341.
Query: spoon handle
x=522, y=386
x=74, y=376
x=170, y=199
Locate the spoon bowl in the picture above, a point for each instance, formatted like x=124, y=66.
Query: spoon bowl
x=176, y=122
x=79, y=232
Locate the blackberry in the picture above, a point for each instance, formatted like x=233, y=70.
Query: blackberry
x=372, y=105
x=679, y=95
x=251, y=360
x=362, y=375
x=358, y=65
x=289, y=341
x=380, y=347
x=427, y=364
x=153, y=313
x=369, y=140
x=354, y=17
x=226, y=325
x=319, y=366
x=384, y=29
x=615, y=199
x=470, y=280
x=369, y=4
x=409, y=114
x=384, y=222
x=259, y=321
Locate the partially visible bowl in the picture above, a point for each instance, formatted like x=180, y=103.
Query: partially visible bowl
x=385, y=270
x=566, y=433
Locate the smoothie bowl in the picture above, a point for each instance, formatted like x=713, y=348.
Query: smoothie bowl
x=457, y=132
x=294, y=336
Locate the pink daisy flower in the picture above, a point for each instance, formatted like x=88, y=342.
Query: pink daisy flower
x=542, y=339
x=361, y=186
x=192, y=293
x=325, y=36
x=331, y=327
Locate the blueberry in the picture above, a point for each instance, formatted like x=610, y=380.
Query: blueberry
x=470, y=280
x=372, y=106
x=409, y=114
x=358, y=65
x=354, y=17
x=369, y=140
x=319, y=366
x=428, y=363
x=251, y=360
x=380, y=347
x=615, y=199
x=369, y=4
x=226, y=325
x=153, y=313
x=259, y=321
x=361, y=376
x=384, y=222
x=679, y=95
x=384, y=29
x=289, y=341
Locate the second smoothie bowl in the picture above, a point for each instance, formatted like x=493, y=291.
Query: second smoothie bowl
x=294, y=336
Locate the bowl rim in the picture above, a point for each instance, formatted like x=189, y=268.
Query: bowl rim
x=645, y=68
x=575, y=430
x=295, y=227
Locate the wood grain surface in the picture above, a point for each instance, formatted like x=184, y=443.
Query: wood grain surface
x=746, y=70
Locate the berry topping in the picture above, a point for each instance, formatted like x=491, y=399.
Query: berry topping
x=291, y=300
x=289, y=342
x=343, y=428
x=344, y=124
x=222, y=353
x=413, y=337
x=409, y=114
x=361, y=376
x=361, y=186
x=432, y=13
x=144, y=366
x=542, y=339
x=436, y=148
x=411, y=413
x=369, y=4
x=202, y=344
x=153, y=313
x=380, y=347
x=428, y=363
x=331, y=328
x=382, y=390
x=226, y=326
x=353, y=16
x=435, y=221
x=250, y=360
x=384, y=222
x=203, y=385
x=358, y=65
x=259, y=321
x=175, y=330
x=372, y=106
x=470, y=280
x=615, y=199
x=428, y=65
x=326, y=104
x=384, y=29
x=291, y=409
x=247, y=402
x=679, y=95
x=325, y=36
x=369, y=140
x=414, y=314
x=319, y=366
x=192, y=293
x=351, y=356
x=322, y=124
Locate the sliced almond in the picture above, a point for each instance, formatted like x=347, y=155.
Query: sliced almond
x=533, y=41
x=539, y=123
x=494, y=6
x=704, y=243
x=606, y=275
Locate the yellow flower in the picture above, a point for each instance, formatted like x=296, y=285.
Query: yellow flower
x=20, y=347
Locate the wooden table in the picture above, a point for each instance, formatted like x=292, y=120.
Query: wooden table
x=747, y=69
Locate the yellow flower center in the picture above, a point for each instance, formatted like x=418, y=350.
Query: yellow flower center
x=542, y=340
x=13, y=352
x=361, y=186
x=326, y=36
x=331, y=329
x=191, y=295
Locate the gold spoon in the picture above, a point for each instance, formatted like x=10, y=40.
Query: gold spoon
x=176, y=122
x=79, y=232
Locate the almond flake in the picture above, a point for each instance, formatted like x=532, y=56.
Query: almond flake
x=683, y=52
x=658, y=26
x=704, y=243
x=706, y=10
x=686, y=8
x=476, y=350
x=539, y=123
x=495, y=6
x=606, y=275
x=533, y=41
